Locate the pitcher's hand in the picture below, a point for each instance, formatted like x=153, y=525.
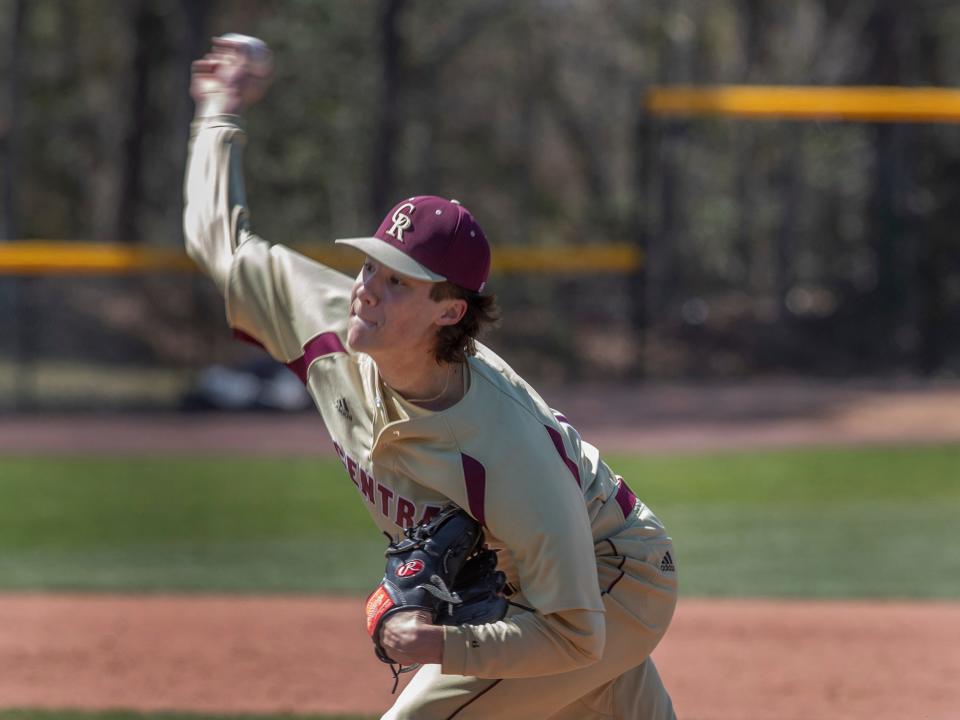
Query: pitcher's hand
x=234, y=75
x=410, y=637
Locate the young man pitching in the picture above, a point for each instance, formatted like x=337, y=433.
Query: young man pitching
x=421, y=415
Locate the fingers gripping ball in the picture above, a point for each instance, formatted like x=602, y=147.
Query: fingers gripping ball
x=233, y=76
x=253, y=51
x=422, y=570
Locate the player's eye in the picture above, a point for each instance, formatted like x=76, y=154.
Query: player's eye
x=394, y=280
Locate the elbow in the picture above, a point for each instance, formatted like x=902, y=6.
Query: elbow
x=190, y=234
x=591, y=650
x=585, y=635
x=192, y=251
x=194, y=244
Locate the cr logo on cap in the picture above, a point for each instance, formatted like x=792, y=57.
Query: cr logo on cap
x=401, y=221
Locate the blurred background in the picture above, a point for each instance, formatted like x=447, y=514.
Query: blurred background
x=632, y=245
x=750, y=306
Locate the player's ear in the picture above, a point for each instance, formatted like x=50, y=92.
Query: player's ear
x=453, y=311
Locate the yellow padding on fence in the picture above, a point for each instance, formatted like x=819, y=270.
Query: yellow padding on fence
x=35, y=257
x=616, y=258
x=863, y=104
x=26, y=257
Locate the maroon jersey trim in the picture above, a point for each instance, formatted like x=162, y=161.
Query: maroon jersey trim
x=323, y=344
x=625, y=497
x=558, y=444
x=241, y=335
x=475, y=477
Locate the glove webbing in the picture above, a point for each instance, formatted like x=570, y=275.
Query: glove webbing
x=440, y=591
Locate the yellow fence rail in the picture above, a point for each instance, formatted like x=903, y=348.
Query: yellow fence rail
x=862, y=104
x=50, y=257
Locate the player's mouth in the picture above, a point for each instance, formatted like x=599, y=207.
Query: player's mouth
x=362, y=320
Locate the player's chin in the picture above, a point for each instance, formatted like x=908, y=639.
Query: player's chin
x=360, y=335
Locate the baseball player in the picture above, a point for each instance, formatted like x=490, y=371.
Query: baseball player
x=422, y=414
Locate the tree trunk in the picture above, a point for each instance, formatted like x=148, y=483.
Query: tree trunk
x=9, y=122
x=754, y=52
x=388, y=131
x=791, y=191
x=193, y=35
x=644, y=152
x=15, y=292
x=663, y=245
x=933, y=234
x=889, y=178
x=147, y=33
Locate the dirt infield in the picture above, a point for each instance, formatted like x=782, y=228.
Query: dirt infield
x=722, y=660
x=643, y=418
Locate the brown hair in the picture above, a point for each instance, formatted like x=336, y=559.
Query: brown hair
x=456, y=342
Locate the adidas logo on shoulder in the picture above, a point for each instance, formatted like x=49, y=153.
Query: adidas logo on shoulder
x=343, y=409
x=666, y=565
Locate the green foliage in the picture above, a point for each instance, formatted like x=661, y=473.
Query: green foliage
x=816, y=246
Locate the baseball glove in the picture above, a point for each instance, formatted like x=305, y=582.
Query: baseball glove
x=442, y=567
x=480, y=589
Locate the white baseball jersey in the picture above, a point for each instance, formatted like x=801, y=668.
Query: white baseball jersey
x=564, y=524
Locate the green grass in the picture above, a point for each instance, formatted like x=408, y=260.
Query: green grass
x=817, y=523
x=814, y=523
x=184, y=524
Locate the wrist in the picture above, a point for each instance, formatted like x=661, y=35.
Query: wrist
x=411, y=637
x=219, y=105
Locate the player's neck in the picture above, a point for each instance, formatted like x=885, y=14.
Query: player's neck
x=430, y=385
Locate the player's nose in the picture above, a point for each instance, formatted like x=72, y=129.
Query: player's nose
x=365, y=293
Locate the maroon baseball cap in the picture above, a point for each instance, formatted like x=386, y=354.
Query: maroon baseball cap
x=430, y=238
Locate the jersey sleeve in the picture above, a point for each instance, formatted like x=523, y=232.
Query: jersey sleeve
x=516, y=484
x=525, y=645
x=532, y=503
x=278, y=297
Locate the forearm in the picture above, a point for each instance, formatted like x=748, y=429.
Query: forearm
x=526, y=645
x=214, y=213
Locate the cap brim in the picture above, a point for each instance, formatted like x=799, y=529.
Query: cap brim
x=388, y=255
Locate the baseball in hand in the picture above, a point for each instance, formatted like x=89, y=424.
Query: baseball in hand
x=254, y=52
x=234, y=75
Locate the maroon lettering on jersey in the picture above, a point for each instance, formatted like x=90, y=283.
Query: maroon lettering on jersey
x=405, y=513
x=366, y=486
x=386, y=495
x=557, y=440
x=352, y=470
x=326, y=343
x=475, y=478
x=428, y=512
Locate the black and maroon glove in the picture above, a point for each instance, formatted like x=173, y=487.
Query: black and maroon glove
x=439, y=566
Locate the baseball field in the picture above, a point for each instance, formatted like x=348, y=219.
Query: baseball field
x=817, y=581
